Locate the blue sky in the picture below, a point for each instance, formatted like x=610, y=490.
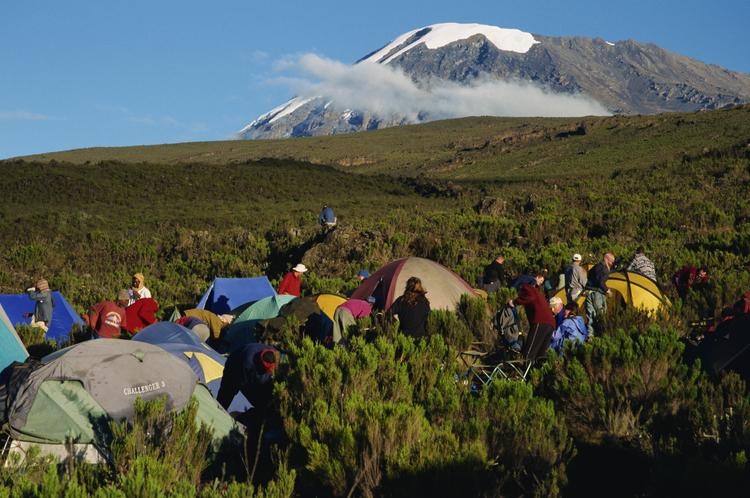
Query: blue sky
x=80, y=74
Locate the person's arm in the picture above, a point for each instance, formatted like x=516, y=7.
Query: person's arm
x=34, y=294
x=228, y=389
x=284, y=285
x=524, y=296
x=603, y=276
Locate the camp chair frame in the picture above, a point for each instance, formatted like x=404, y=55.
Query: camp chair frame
x=509, y=369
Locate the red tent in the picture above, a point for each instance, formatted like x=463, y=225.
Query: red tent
x=444, y=288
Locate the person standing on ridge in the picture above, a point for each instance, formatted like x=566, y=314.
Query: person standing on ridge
x=327, y=218
x=292, y=282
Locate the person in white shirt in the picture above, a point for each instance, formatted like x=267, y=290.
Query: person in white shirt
x=138, y=290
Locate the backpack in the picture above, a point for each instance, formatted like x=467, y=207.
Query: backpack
x=506, y=322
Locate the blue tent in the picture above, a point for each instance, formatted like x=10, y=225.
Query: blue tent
x=226, y=294
x=11, y=347
x=207, y=364
x=63, y=314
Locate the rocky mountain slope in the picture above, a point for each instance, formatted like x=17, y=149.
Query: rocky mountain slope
x=626, y=77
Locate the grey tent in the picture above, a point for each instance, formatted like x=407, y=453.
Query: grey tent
x=79, y=390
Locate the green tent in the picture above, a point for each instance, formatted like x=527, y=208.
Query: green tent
x=11, y=347
x=79, y=390
x=242, y=329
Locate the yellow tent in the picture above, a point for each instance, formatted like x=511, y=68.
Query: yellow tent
x=632, y=289
x=328, y=303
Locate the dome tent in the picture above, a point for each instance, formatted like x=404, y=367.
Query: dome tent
x=206, y=363
x=632, y=289
x=79, y=390
x=227, y=294
x=444, y=288
x=242, y=329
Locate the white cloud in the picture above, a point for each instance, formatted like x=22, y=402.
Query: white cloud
x=22, y=116
x=386, y=90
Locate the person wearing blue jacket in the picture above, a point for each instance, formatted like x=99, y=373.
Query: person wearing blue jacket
x=572, y=328
x=327, y=218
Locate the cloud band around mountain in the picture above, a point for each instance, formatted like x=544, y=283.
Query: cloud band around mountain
x=386, y=90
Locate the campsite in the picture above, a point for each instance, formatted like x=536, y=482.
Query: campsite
x=380, y=413
x=374, y=249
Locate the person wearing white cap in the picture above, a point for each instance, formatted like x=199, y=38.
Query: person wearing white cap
x=292, y=282
x=575, y=279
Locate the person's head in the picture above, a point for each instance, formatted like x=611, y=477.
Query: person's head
x=413, y=290
x=539, y=276
x=577, y=258
x=42, y=285
x=267, y=360
x=500, y=259
x=571, y=309
x=123, y=297
x=299, y=269
x=640, y=250
x=702, y=272
x=555, y=304
x=609, y=259
x=138, y=281
x=226, y=320
x=363, y=274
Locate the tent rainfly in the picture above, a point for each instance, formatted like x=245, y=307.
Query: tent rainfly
x=227, y=294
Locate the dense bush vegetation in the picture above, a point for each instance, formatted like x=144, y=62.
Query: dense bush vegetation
x=387, y=415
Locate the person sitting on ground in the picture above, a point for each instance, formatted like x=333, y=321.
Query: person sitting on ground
x=412, y=308
x=557, y=308
x=541, y=321
x=690, y=277
x=292, y=282
x=108, y=319
x=597, y=290
x=327, y=219
x=138, y=290
x=141, y=314
x=641, y=264
x=572, y=328
x=575, y=279
x=535, y=279
x=249, y=370
x=212, y=324
x=363, y=275
x=494, y=275
x=44, y=304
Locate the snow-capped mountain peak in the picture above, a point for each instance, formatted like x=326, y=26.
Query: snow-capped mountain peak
x=439, y=35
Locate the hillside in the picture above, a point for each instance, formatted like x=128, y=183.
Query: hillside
x=470, y=148
x=185, y=214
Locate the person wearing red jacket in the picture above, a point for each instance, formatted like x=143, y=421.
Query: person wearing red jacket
x=292, y=281
x=107, y=319
x=541, y=321
x=140, y=314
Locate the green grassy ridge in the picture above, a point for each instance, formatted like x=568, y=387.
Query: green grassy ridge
x=470, y=148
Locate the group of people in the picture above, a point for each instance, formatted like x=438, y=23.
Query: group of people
x=552, y=322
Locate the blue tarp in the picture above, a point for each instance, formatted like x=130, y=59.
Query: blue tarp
x=63, y=314
x=226, y=294
x=11, y=347
x=185, y=345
